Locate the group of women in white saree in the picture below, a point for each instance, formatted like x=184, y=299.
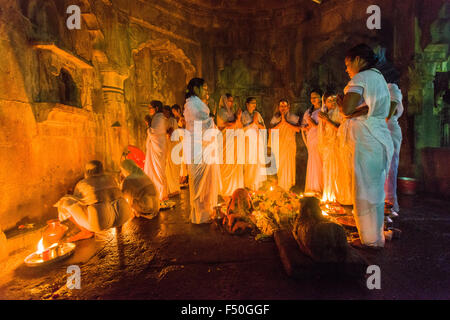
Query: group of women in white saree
x=159, y=166
x=353, y=144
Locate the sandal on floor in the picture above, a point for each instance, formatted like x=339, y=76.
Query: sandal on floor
x=396, y=233
x=358, y=245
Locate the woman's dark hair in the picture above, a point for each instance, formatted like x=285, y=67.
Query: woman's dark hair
x=176, y=107
x=364, y=52
x=327, y=94
x=93, y=168
x=169, y=110
x=148, y=120
x=250, y=99
x=283, y=100
x=158, y=105
x=194, y=83
x=319, y=92
x=316, y=90
x=229, y=95
x=389, y=72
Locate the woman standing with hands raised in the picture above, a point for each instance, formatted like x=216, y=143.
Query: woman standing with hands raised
x=314, y=175
x=287, y=124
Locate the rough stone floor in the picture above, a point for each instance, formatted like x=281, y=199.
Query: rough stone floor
x=169, y=258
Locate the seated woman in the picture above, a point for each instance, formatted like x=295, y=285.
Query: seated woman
x=97, y=203
x=139, y=191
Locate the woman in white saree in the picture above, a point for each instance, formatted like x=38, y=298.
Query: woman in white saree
x=329, y=123
x=287, y=124
x=254, y=167
x=172, y=168
x=395, y=112
x=232, y=172
x=203, y=167
x=370, y=141
x=310, y=122
x=156, y=151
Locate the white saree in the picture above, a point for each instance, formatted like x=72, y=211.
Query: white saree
x=254, y=167
x=372, y=151
x=232, y=174
x=286, y=158
x=172, y=169
x=204, y=174
x=314, y=169
x=156, y=154
x=390, y=187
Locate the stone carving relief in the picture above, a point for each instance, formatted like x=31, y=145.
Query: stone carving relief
x=44, y=18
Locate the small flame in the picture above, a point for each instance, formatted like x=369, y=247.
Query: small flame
x=324, y=213
x=40, y=247
x=328, y=197
x=271, y=188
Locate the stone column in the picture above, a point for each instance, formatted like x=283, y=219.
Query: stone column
x=116, y=135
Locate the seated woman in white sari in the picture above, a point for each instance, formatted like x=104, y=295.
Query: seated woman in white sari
x=329, y=122
x=139, y=190
x=287, y=125
x=231, y=170
x=254, y=167
x=172, y=168
x=310, y=122
x=200, y=149
x=371, y=143
x=96, y=204
x=156, y=153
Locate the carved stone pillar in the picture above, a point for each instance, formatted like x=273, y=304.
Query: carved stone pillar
x=116, y=135
x=421, y=98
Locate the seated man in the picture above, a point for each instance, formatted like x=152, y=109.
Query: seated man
x=139, y=191
x=97, y=203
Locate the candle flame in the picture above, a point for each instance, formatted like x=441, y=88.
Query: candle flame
x=40, y=247
x=271, y=188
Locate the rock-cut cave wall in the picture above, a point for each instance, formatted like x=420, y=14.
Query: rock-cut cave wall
x=71, y=96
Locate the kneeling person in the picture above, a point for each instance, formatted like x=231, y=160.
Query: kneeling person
x=97, y=203
x=139, y=190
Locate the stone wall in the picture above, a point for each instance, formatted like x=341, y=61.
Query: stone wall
x=71, y=96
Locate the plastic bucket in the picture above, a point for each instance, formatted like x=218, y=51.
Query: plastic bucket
x=407, y=185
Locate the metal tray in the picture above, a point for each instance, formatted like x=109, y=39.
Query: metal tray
x=35, y=259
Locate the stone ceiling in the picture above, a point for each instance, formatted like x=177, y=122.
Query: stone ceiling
x=225, y=13
x=244, y=5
